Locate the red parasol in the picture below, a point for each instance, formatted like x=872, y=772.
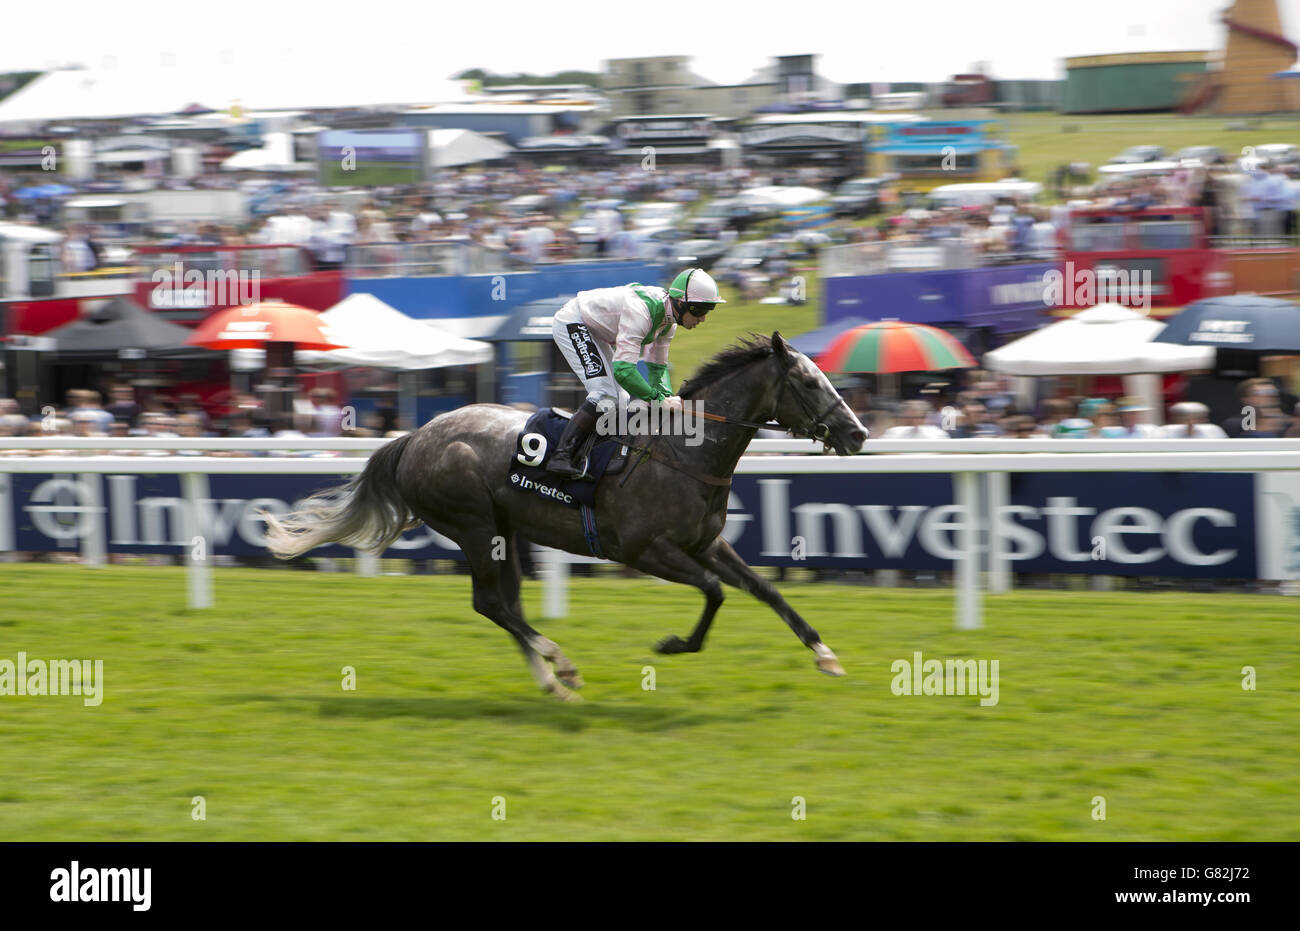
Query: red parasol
x=256, y=325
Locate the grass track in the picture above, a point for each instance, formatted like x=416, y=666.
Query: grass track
x=1133, y=697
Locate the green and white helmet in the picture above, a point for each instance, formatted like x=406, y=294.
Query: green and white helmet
x=697, y=290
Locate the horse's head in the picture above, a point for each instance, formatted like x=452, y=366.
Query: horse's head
x=805, y=401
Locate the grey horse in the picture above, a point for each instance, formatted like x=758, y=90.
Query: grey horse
x=665, y=520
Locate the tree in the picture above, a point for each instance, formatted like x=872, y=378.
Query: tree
x=488, y=79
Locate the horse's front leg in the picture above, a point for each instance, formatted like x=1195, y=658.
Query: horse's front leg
x=667, y=560
x=728, y=566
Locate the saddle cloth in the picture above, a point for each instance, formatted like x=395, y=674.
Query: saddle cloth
x=536, y=443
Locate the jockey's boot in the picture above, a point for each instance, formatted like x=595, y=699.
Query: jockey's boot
x=575, y=432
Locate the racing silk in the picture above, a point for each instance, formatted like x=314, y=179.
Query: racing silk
x=634, y=322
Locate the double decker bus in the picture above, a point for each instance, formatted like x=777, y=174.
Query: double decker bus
x=37, y=293
x=1153, y=258
x=187, y=283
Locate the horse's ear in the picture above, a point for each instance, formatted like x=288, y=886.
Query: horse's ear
x=780, y=348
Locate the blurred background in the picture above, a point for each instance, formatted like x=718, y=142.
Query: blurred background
x=996, y=221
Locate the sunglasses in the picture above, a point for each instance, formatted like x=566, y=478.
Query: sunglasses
x=699, y=308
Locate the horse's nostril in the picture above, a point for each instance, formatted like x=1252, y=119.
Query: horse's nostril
x=858, y=436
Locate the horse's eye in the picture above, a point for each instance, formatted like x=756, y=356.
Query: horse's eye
x=810, y=383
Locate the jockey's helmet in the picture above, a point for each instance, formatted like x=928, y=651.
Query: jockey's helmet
x=695, y=291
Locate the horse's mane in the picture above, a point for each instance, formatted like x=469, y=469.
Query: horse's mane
x=730, y=360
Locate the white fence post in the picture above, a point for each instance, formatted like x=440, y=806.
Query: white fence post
x=6, y=515
x=367, y=564
x=198, y=541
x=93, y=542
x=966, y=496
x=999, y=564
x=555, y=583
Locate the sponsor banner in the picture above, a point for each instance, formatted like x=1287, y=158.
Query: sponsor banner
x=797, y=134
x=1007, y=298
x=809, y=217
x=1220, y=525
x=1168, y=524
x=146, y=514
x=930, y=135
x=639, y=129
x=1195, y=524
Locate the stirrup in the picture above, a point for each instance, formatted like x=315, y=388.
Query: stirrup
x=573, y=471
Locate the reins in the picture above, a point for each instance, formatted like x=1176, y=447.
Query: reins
x=817, y=430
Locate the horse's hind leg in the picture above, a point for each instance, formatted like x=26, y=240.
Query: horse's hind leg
x=726, y=562
x=453, y=497
x=511, y=579
x=492, y=580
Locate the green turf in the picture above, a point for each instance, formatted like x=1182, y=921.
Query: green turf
x=368, y=174
x=1136, y=698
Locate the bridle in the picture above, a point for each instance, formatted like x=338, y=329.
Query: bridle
x=816, y=427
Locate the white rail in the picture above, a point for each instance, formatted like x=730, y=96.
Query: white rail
x=749, y=464
x=963, y=459
x=758, y=446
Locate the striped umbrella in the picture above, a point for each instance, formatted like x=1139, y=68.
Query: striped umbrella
x=894, y=346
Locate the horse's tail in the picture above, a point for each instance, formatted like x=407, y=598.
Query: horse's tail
x=367, y=513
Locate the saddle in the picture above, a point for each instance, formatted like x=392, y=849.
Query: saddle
x=536, y=442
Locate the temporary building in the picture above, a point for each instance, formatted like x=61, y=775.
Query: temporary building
x=380, y=336
x=1108, y=339
x=451, y=148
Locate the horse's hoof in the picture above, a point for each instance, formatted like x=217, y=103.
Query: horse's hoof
x=572, y=679
x=826, y=660
x=564, y=694
x=671, y=644
x=831, y=667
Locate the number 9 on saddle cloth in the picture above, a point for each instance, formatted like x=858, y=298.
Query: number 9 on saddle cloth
x=536, y=442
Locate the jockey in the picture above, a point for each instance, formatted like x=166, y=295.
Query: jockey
x=603, y=333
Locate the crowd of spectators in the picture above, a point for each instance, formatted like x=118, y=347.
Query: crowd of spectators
x=1250, y=197
x=985, y=410
x=982, y=409
x=1010, y=228
x=527, y=215
x=521, y=211
x=85, y=414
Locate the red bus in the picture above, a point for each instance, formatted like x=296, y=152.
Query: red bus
x=186, y=283
x=36, y=293
x=1159, y=258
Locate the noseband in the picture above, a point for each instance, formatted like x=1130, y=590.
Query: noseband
x=816, y=427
